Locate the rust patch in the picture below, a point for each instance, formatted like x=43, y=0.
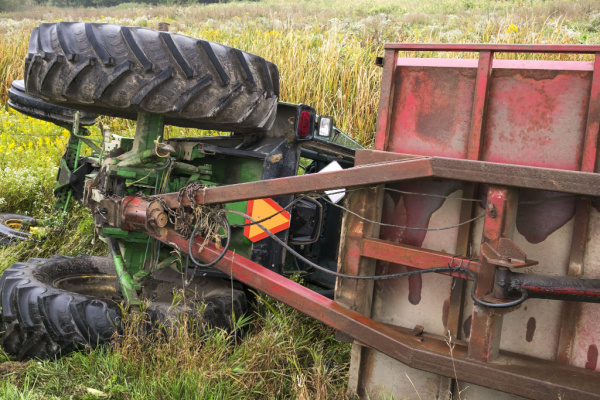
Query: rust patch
x=530, y=329
x=467, y=327
x=415, y=284
x=540, y=213
x=592, y=357
x=412, y=210
x=445, y=311
x=276, y=158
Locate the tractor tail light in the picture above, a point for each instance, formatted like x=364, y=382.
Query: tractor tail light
x=305, y=123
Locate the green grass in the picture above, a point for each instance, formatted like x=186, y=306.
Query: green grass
x=285, y=355
x=325, y=51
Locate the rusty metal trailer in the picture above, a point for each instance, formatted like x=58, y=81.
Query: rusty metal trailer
x=503, y=153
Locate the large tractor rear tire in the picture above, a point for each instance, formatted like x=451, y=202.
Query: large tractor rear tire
x=120, y=71
x=53, y=306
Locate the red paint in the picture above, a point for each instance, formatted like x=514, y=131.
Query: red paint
x=537, y=118
x=425, y=121
x=592, y=357
x=497, y=64
x=530, y=329
x=485, y=325
x=590, y=148
x=504, y=48
x=415, y=257
x=482, y=84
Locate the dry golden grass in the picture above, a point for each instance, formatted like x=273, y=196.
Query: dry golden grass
x=12, y=50
x=325, y=50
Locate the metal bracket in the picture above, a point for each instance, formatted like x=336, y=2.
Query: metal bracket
x=505, y=253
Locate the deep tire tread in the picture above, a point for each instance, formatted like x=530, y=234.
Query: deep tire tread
x=245, y=67
x=150, y=86
x=41, y=320
x=85, y=63
x=117, y=70
x=215, y=62
x=185, y=98
x=111, y=78
x=60, y=33
x=177, y=56
x=137, y=51
x=100, y=51
x=265, y=67
x=57, y=58
x=225, y=100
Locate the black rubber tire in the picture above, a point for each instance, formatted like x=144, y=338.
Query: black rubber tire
x=36, y=108
x=9, y=235
x=120, y=71
x=47, y=313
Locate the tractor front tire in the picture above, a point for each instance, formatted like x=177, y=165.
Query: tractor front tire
x=10, y=228
x=51, y=307
x=120, y=71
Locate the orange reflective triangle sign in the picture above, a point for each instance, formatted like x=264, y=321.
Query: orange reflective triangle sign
x=260, y=209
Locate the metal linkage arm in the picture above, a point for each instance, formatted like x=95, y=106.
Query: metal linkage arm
x=406, y=168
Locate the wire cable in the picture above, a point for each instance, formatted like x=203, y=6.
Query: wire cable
x=287, y=207
x=431, y=195
x=224, y=221
x=324, y=197
x=411, y=228
x=449, y=268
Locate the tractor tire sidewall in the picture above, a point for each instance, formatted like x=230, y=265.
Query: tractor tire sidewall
x=39, y=319
x=9, y=235
x=121, y=71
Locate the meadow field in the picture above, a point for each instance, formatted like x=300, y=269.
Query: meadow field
x=325, y=51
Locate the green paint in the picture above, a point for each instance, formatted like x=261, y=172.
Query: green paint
x=168, y=261
x=128, y=286
x=241, y=206
x=134, y=237
x=149, y=127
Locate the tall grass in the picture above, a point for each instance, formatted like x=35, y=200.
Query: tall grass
x=326, y=50
x=284, y=355
x=13, y=48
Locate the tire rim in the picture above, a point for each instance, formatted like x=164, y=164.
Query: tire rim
x=99, y=286
x=14, y=223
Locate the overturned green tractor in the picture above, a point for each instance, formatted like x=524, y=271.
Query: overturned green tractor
x=76, y=71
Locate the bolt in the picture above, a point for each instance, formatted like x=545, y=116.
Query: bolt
x=491, y=210
x=158, y=218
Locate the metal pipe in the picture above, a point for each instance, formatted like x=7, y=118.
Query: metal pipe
x=549, y=287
